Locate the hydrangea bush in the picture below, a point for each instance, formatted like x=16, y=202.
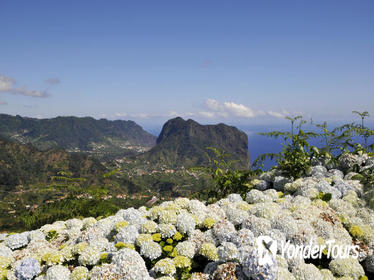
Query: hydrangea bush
x=190, y=239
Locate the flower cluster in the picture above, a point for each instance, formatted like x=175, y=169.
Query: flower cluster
x=172, y=239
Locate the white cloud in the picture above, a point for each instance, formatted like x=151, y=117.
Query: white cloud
x=282, y=114
x=276, y=114
x=121, y=115
x=209, y=115
x=232, y=109
x=239, y=110
x=214, y=110
x=213, y=104
x=228, y=109
x=7, y=84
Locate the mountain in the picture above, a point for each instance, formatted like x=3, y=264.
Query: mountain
x=102, y=137
x=184, y=143
x=24, y=164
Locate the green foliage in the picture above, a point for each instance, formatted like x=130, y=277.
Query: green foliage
x=295, y=157
x=66, y=209
x=84, y=134
x=324, y=196
x=362, y=130
x=297, y=153
x=25, y=165
x=111, y=173
x=225, y=179
x=51, y=235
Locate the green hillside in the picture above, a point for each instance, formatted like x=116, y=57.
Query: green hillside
x=102, y=138
x=26, y=165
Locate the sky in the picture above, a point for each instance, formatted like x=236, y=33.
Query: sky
x=238, y=62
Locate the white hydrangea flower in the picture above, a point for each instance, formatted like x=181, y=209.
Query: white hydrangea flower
x=74, y=223
x=154, y=212
x=167, y=230
x=171, y=206
x=197, y=238
x=36, y=235
x=131, y=265
x=149, y=227
x=99, y=230
x=79, y=247
x=38, y=248
x=88, y=222
x=165, y=266
x=327, y=274
x=57, y=272
x=73, y=233
x=105, y=271
x=79, y=273
x=143, y=237
x=186, y=248
x=150, y=250
x=198, y=217
x=67, y=252
x=196, y=206
x=272, y=194
x=284, y=274
x=167, y=217
x=210, y=237
x=57, y=226
x=259, y=226
x=236, y=216
x=256, y=196
x=227, y=251
x=5, y=251
x=216, y=212
x=234, y=197
x=243, y=205
x=89, y=256
x=268, y=210
x=307, y=271
x=182, y=202
x=223, y=202
x=243, y=237
x=101, y=244
x=16, y=241
x=209, y=250
x=286, y=224
x=223, y=230
x=347, y=267
x=127, y=234
x=185, y=223
x=292, y=187
x=130, y=215
x=166, y=278
x=143, y=210
x=53, y=257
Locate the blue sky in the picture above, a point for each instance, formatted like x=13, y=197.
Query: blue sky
x=245, y=62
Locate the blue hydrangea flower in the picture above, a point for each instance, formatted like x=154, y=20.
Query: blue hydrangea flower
x=27, y=269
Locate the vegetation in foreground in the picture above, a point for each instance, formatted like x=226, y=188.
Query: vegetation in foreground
x=75, y=192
